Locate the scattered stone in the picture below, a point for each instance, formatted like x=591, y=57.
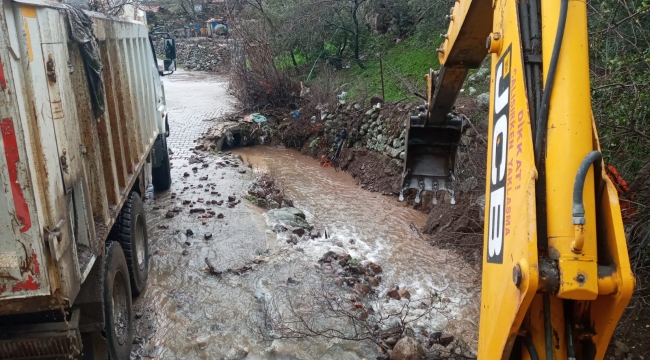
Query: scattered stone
x=169, y=215
x=375, y=268
x=403, y=293
x=622, y=346
x=186, y=252
x=299, y=231
x=186, y=202
x=407, y=348
x=483, y=100
x=197, y=210
x=231, y=198
x=362, y=289
x=164, y=226
x=394, y=294
x=203, y=178
x=220, y=216
x=189, y=232
x=358, y=305
x=207, y=236
x=372, y=281
x=445, y=339
x=186, y=174
x=291, y=216
x=391, y=341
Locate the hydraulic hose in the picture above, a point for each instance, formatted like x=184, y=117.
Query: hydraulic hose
x=579, y=184
x=542, y=119
x=528, y=342
x=578, y=209
x=570, y=348
x=548, y=329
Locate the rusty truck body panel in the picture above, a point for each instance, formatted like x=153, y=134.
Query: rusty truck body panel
x=66, y=174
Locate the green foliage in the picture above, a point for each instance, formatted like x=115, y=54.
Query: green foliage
x=252, y=198
x=405, y=65
x=314, y=142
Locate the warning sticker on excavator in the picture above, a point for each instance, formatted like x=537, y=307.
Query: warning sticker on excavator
x=497, y=166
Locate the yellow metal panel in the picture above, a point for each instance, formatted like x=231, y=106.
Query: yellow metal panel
x=605, y=312
x=469, y=25
x=568, y=142
x=510, y=228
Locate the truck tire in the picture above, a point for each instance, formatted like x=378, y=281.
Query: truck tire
x=118, y=309
x=161, y=176
x=132, y=235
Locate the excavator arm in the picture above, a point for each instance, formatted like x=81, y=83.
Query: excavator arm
x=556, y=271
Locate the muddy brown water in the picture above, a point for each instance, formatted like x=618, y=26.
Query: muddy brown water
x=190, y=314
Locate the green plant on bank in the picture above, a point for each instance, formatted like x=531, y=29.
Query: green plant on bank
x=314, y=142
x=252, y=198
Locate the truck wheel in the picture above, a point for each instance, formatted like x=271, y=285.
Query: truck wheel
x=118, y=308
x=161, y=176
x=132, y=235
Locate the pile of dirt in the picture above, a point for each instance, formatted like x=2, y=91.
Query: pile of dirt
x=459, y=227
x=199, y=53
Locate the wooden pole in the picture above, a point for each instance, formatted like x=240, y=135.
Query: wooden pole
x=381, y=70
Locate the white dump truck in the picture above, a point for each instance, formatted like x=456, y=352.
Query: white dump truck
x=83, y=133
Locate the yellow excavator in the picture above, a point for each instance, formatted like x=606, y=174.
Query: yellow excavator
x=556, y=270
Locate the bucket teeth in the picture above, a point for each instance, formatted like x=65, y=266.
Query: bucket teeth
x=431, y=156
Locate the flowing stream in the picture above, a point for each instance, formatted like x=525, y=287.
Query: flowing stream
x=196, y=315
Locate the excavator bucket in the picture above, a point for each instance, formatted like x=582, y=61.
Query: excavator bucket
x=432, y=138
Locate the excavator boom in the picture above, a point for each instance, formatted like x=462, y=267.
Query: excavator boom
x=556, y=271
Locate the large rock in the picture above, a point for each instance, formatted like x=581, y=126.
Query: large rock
x=291, y=216
x=394, y=153
x=483, y=100
x=407, y=348
x=376, y=99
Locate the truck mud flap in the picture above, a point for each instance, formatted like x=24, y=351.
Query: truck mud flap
x=50, y=340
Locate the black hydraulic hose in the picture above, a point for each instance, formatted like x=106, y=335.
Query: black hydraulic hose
x=542, y=119
x=548, y=329
x=579, y=184
x=528, y=342
x=570, y=348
